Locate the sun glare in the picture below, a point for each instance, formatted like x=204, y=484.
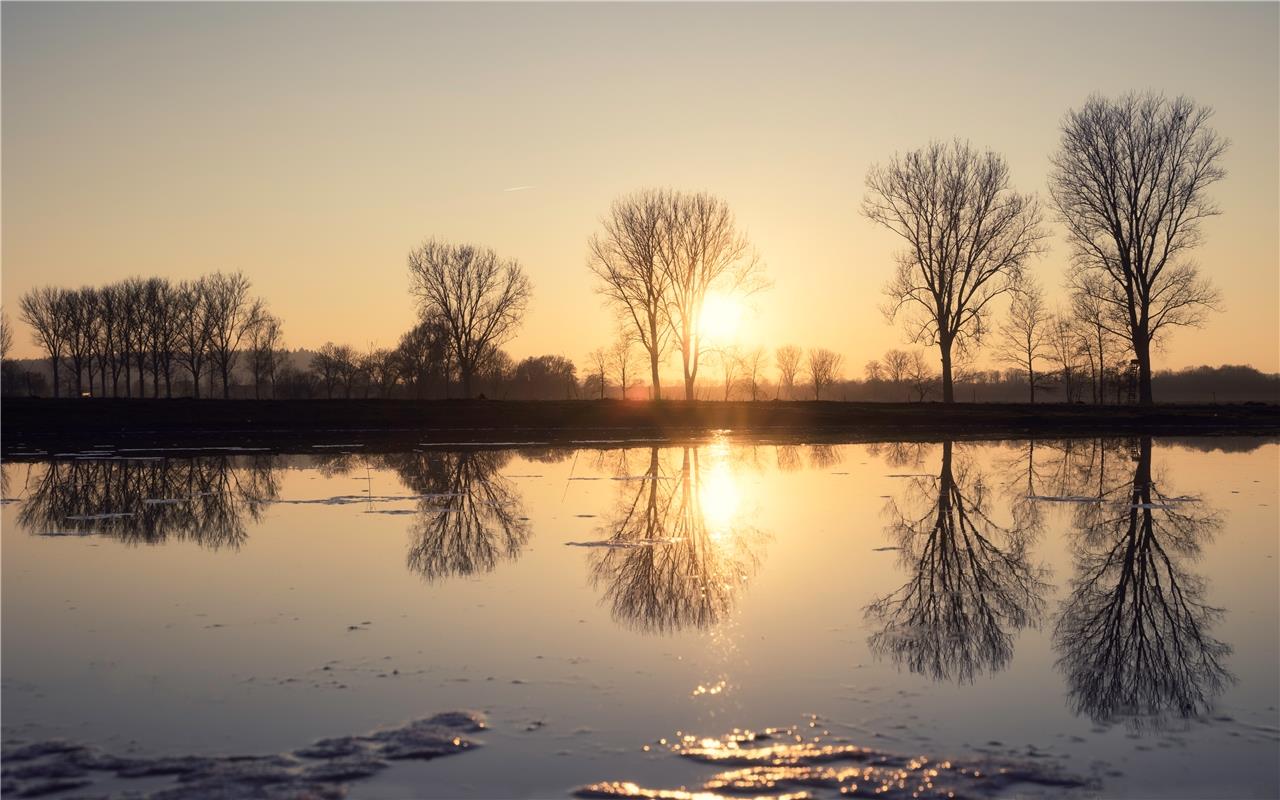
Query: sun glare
x=721, y=318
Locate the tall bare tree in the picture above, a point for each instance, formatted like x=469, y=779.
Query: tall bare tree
x=625, y=259
x=598, y=360
x=162, y=304
x=1063, y=338
x=968, y=236
x=1024, y=334
x=824, y=369
x=702, y=251
x=479, y=297
x=753, y=367
x=44, y=311
x=1098, y=343
x=231, y=313
x=265, y=353
x=81, y=308
x=788, y=359
x=622, y=360
x=191, y=329
x=1130, y=183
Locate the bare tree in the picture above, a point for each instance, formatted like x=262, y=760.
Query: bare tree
x=44, y=310
x=598, y=360
x=423, y=353
x=1024, y=335
x=919, y=376
x=1064, y=347
x=6, y=337
x=1098, y=344
x=479, y=297
x=1130, y=183
x=80, y=307
x=968, y=236
x=625, y=260
x=702, y=251
x=133, y=332
x=192, y=329
x=897, y=367
x=824, y=369
x=265, y=354
x=729, y=360
x=231, y=314
x=622, y=360
x=788, y=360
x=753, y=366
x=162, y=319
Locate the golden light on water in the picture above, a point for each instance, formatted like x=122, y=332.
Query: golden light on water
x=720, y=495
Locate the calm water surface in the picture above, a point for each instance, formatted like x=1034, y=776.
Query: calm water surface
x=1100, y=609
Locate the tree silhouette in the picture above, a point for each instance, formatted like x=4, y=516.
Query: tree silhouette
x=206, y=500
x=1134, y=635
x=971, y=584
x=470, y=517
x=968, y=237
x=1130, y=183
x=665, y=566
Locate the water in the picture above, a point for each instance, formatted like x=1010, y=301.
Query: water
x=1092, y=617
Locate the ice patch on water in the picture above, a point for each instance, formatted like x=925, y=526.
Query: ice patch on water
x=623, y=544
x=1048, y=498
x=319, y=770
x=807, y=761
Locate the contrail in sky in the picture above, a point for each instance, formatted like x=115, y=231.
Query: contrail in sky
x=518, y=188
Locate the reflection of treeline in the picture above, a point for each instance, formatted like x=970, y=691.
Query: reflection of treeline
x=469, y=517
x=1133, y=636
x=971, y=584
x=126, y=338
x=206, y=500
x=669, y=561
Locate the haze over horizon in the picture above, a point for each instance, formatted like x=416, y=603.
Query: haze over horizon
x=312, y=146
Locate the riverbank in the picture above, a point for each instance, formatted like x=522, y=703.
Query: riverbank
x=29, y=423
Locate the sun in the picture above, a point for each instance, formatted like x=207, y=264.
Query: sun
x=721, y=318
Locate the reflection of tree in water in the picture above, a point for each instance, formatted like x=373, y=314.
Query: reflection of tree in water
x=678, y=552
x=204, y=499
x=1134, y=634
x=473, y=517
x=971, y=583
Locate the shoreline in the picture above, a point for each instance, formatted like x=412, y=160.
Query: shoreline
x=27, y=423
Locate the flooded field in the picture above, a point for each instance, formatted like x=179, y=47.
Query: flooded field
x=737, y=618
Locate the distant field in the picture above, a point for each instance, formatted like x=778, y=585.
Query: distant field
x=68, y=422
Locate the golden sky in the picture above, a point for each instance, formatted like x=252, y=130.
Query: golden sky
x=311, y=146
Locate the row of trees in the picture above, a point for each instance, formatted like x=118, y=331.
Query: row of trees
x=115, y=339
x=660, y=254
x=1128, y=183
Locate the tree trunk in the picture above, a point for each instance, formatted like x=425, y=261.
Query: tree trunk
x=1142, y=351
x=948, y=390
x=1031, y=382
x=57, y=364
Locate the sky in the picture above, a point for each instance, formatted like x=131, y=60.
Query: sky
x=311, y=146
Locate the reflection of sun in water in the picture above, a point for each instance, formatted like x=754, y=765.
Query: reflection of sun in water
x=719, y=494
x=721, y=318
